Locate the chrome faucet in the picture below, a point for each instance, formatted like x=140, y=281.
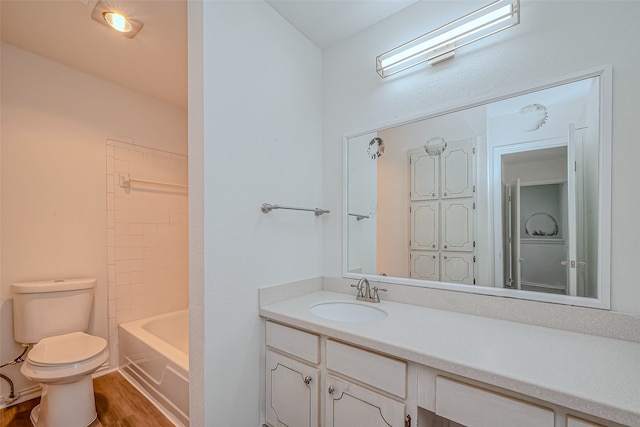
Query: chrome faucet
x=365, y=292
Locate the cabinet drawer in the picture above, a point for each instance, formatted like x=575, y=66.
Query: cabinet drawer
x=378, y=371
x=576, y=422
x=293, y=341
x=475, y=407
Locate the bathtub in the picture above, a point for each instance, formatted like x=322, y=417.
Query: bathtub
x=154, y=353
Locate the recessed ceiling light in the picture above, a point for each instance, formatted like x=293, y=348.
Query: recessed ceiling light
x=105, y=15
x=117, y=21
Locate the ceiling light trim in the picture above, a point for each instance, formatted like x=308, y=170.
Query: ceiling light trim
x=101, y=13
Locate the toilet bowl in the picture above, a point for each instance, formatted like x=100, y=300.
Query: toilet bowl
x=54, y=316
x=63, y=365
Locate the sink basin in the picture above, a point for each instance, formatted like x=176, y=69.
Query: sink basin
x=347, y=312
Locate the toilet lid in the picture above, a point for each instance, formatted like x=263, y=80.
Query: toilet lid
x=64, y=349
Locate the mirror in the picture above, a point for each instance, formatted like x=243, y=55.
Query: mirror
x=505, y=197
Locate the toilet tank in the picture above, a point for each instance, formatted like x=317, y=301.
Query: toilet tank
x=47, y=308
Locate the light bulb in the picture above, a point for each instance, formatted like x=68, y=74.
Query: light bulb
x=117, y=22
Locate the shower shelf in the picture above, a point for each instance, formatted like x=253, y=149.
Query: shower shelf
x=155, y=186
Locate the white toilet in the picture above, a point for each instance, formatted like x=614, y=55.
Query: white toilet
x=54, y=315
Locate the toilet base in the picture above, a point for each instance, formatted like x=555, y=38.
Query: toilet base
x=66, y=405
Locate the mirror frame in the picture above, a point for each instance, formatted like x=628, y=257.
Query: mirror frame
x=603, y=300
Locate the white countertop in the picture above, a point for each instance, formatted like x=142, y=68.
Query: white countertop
x=590, y=374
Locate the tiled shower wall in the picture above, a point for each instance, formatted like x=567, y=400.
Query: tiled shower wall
x=147, y=236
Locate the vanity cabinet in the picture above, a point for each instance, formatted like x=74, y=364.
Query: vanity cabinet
x=361, y=388
x=292, y=377
x=292, y=392
x=317, y=381
x=349, y=404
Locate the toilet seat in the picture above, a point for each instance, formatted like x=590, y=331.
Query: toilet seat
x=75, y=347
x=63, y=359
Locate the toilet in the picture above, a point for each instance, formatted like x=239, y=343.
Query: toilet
x=54, y=316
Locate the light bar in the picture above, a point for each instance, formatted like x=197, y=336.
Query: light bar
x=441, y=43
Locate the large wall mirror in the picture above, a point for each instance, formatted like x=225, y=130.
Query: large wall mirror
x=506, y=197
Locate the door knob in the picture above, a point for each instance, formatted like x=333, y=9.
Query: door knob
x=331, y=389
x=307, y=380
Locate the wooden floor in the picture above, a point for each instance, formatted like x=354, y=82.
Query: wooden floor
x=118, y=404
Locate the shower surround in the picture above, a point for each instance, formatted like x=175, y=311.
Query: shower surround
x=147, y=236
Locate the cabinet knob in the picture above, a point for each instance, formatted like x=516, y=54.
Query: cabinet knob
x=307, y=380
x=331, y=389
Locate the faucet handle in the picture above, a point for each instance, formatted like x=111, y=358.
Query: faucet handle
x=376, y=297
x=360, y=288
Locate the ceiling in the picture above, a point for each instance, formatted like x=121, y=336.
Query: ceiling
x=326, y=22
x=155, y=61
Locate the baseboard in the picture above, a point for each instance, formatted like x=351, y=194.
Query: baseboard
x=24, y=395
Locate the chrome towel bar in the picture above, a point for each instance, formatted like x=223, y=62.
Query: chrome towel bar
x=359, y=217
x=266, y=208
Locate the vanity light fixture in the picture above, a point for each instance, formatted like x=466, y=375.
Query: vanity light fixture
x=106, y=15
x=441, y=43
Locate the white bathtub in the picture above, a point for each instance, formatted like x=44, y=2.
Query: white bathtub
x=154, y=352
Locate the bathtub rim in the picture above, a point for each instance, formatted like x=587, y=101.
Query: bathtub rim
x=135, y=328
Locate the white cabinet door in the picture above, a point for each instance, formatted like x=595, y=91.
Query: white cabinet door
x=425, y=175
x=457, y=169
x=457, y=267
x=457, y=225
x=424, y=225
x=349, y=405
x=425, y=265
x=292, y=392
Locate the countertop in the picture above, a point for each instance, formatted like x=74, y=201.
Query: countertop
x=590, y=374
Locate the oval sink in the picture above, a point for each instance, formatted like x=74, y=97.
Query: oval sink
x=347, y=312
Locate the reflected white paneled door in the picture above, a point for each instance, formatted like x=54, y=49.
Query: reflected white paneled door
x=457, y=225
x=292, y=392
x=425, y=265
x=425, y=175
x=457, y=267
x=349, y=405
x=424, y=225
x=457, y=173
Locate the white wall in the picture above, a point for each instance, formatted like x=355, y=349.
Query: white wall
x=260, y=141
x=554, y=39
x=55, y=124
